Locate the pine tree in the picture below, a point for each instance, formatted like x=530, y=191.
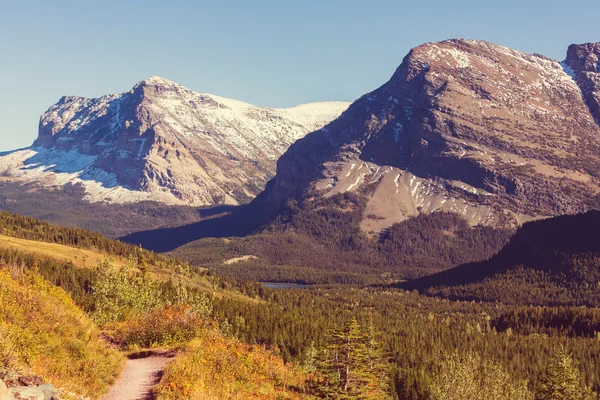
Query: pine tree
x=470, y=377
x=562, y=381
x=351, y=366
x=309, y=358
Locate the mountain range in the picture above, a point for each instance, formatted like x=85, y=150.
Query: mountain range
x=494, y=135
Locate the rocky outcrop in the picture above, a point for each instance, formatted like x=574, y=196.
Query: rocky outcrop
x=31, y=388
x=470, y=127
x=50, y=392
x=583, y=63
x=27, y=393
x=163, y=142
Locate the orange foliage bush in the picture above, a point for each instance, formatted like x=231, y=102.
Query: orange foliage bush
x=162, y=327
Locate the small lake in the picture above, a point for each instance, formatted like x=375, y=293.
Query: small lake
x=273, y=285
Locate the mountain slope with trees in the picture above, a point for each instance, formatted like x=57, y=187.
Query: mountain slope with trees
x=548, y=262
x=321, y=242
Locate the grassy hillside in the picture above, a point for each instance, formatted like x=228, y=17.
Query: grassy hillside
x=553, y=262
x=43, y=332
x=90, y=259
x=21, y=227
x=58, y=249
x=79, y=257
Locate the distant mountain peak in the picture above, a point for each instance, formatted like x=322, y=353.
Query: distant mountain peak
x=163, y=142
x=464, y=126
x=155, y=79
x=583, y=62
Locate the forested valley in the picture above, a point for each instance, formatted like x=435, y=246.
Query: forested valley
x=347, y=340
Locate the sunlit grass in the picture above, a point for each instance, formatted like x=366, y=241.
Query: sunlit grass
x=43, y=332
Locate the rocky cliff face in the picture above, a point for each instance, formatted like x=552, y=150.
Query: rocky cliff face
x=490, y=133
x=583, y=63
x=161, y=141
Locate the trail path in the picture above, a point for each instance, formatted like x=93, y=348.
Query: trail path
x=139, y=376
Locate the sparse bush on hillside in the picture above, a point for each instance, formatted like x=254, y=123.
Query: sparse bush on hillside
x=142, y=312
x=198, y=301
x=119, y=293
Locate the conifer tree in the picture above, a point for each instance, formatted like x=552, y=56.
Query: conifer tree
x=351, y=366
x=562, y=381
x=469, y=376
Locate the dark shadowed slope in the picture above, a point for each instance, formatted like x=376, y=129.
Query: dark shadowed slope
x=240, y=221
x=548, y=262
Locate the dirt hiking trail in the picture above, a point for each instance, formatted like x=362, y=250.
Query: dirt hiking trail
x=141, y=373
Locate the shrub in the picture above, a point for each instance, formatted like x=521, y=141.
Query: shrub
x=119, y=294
x=162, y=327
x=215, y=367
x=123, y=293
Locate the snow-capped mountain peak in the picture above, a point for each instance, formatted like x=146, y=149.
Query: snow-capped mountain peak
x=158, y=80
x=162, y=141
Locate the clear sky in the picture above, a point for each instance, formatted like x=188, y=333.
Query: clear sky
x=274, y=53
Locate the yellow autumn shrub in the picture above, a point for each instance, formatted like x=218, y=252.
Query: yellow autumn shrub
x=213, y=366
x=43, y=332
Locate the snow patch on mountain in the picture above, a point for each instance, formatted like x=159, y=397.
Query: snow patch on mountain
x=52, y=168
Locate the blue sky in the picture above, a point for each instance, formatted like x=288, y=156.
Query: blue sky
x=269, y=53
